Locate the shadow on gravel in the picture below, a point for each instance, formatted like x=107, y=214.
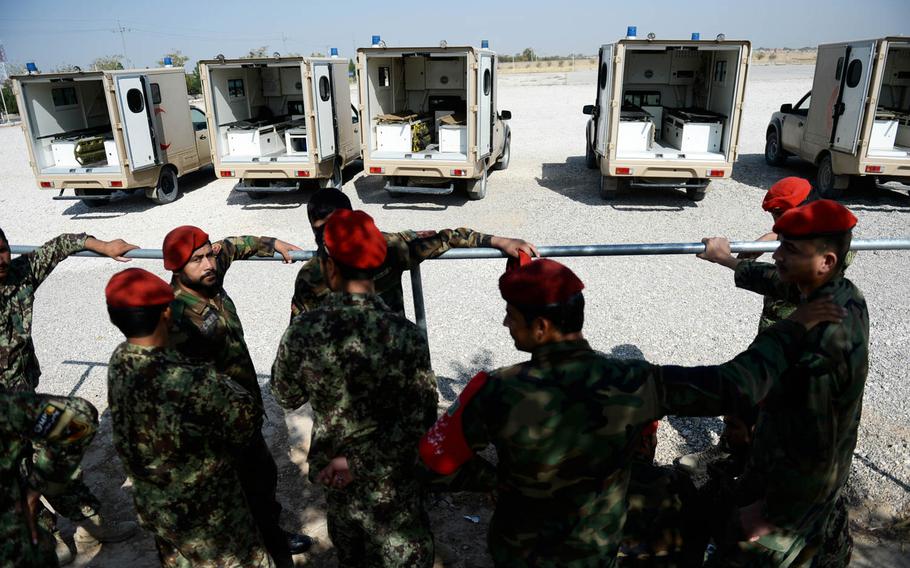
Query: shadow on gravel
x=124, y=203
x=371, y=189
x=291, y=200
x=574, y=180
x=449, y=388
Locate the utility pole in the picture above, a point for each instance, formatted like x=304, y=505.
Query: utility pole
x=121, y=29
x=284, y=43
x=3, y=78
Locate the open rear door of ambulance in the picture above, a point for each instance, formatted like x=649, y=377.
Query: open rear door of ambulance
x=137, y=117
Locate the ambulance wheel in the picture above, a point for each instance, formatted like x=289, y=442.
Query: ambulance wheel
x=609, y=187
x=696, y=193
x=830, y=185
x=503, y=163
x=590, y=157
x=167, y=189
x=337, y=179
x=477, y=188
x=774, y=153
x=92, y=202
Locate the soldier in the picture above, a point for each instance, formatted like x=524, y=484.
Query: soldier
x=179, y=429
x=405, y=250
x=366, y=372
x=807, y=426
x=205, y=326
x=19, y=369
x=564, y=423
x=61, y=429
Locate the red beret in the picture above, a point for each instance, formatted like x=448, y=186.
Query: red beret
x=352, y=239
x=819, y=218
x=137, y=288
x=179, y=245
x=540, y=283
x=786, y=194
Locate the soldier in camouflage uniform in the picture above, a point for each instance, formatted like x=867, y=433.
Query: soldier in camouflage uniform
x=790, y=494
x=179, y=429
x=61, y=429
x=366, y=372
x=564, y=422
x=405, y=250
x=205, y=327
x=20, y=372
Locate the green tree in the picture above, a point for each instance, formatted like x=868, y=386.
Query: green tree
x=11, y=104
x=352, y=68
x=317, y=54
x=528, y=54
x=108, y=63
x=258, y=52
x=178, y=59
x=65, y=68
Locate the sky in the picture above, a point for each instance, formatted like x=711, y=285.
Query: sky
x=70, y=32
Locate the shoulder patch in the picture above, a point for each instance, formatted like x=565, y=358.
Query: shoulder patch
x=47, y=421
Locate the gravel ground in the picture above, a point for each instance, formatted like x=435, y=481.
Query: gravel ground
x=667, y=309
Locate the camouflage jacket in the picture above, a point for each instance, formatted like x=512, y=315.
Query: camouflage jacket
x=405, y=250
x=19, y=368
x=366, y=372
x=210, y=330
x=565, y=424
x=775, y=309
x=807, y=428
x=61, y=429
x=178, y=427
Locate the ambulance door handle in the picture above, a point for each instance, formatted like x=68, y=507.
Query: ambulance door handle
x=203, y=136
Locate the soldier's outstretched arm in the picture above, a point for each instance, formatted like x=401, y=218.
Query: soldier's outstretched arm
x=46, y=257
x=114, y=249
x=746, y=379
x=431, y=244
x=288, y=382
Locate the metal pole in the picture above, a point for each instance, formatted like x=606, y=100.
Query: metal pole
x=420, y=313
x=639, y=249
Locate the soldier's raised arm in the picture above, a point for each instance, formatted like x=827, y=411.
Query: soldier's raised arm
x=425, y=245
x=229, y=249
x=46, y=257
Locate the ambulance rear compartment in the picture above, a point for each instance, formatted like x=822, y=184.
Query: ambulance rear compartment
x=417, y=106
x=70, y=126
x=259, y=113
x=890, y=136
x=678, y=103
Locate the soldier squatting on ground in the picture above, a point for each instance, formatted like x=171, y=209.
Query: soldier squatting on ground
x=187, y=410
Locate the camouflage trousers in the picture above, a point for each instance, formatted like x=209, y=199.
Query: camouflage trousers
x=202, y=550
x=380, y=524
x=16, y=548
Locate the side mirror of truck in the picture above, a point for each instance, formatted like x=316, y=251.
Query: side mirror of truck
x=588, y=109
x=505, y=115
x=786, y=108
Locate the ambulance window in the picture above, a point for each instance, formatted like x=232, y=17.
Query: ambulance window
x=840, y=69
x=487, y=81
x=64, y=97
x=384, y=79
x=324, y=88
x=854, y=73
x=235, y=89
x=720, y=71
x=135, y=101
x=156, y=94
x=198, y=118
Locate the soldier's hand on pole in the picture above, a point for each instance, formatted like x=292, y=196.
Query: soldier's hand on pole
x=717, y=250
x=285, y=249
x=513, y=246
x=818, y=311
x=115, y=249
x=337, y=474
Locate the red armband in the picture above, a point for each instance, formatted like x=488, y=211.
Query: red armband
x=444, y=448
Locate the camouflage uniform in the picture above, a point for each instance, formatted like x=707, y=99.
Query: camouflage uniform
x=61, y=428
x=564, y=425
x=210, y=331
x=178, y=429
x=806, y=432
x=405, y=250
x=19, y=368
x=366, y=372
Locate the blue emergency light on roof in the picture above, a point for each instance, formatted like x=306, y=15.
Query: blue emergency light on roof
x=31, y=67
x=168, y=61
x=376, y=40
x=484, y=44
x=696, y=36
x=334, y=52
x=631, y=32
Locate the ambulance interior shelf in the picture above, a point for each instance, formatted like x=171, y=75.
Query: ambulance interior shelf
x=279, y=135
x=890, y=133
x=413, y=132
x=87, y=147
x=666, y=132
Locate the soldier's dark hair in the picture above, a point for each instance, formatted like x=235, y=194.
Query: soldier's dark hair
x=838, y=243
x=347, y=272
x=136, y=322
x=568, y=317
x=2, y=235
x=324, y=202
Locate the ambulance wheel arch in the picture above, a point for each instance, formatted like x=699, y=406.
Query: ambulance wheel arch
x=168, y=188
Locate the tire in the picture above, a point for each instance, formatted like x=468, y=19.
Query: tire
x=337, y=179
x=609, y=187
x=503, y=163
x=590, y=157
x=696, y=193
x=477, y=188
x=167, y=189
x=774, y=152
x=829, y=185
x=93, y=203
